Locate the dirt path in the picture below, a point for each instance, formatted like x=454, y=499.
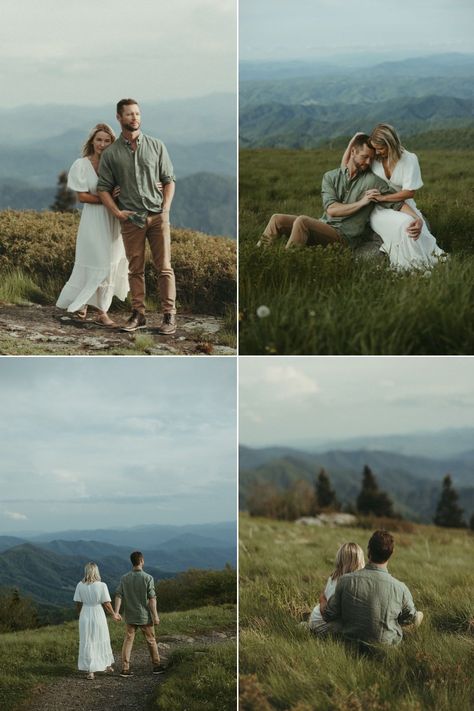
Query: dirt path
x=110, y=692
x=35, y=330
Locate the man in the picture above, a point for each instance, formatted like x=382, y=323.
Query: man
x=141, y=167
x=348, y=196
x=136, y=593
x=370, y=605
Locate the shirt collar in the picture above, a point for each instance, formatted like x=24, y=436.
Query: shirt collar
x=129, y=143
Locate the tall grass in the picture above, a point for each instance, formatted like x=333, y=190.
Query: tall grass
x=284, y=567
x=323, y=301
x=34, y=657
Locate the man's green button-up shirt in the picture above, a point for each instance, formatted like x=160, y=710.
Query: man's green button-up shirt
x=339, y=187
x=371, y=606
x=135, y=589
x=137, y=173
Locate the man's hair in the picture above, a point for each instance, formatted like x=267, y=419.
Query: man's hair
x=136, y=558
x=125, y=102
x=362, y=140
x=380, y=546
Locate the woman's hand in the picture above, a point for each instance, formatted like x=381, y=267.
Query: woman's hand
x=414, y=228
x=116, y=192
x=347, y=152
x=116, y=617
x=323, y=603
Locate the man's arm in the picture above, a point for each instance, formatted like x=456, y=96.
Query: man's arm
x=117, y=603
x=340, y=209
x=168, y=195
x=153, y=610
x=408, y=612
x=333, y=609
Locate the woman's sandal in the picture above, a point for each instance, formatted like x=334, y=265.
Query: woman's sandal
x=80, y=315
x=109, y=670
x=104, y=320
x=90, y=676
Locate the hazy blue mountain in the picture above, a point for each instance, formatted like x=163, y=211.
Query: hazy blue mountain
x=7, y=542
x=413, y=482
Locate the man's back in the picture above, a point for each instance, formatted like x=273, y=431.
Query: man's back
x=135, y=589
x=371, y=605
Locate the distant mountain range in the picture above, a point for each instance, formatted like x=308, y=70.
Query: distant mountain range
x=200, y=135
x=413, y=481
x=302, y=105
x=48, y=567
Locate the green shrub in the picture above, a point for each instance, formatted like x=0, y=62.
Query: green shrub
x=196, y=588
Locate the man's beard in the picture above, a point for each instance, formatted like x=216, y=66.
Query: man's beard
x=129, y=127
x=361, y=167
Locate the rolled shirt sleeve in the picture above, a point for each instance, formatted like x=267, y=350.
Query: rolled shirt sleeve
x=119, y=590
x=107, y=180
x=328, y=190
x=151, y=592
x=166, y=169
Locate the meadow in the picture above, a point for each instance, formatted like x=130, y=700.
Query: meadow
x=31, y=659
x=37, y=256
x=283, y=569
x=323, y=301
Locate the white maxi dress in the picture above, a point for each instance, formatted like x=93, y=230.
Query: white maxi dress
x=95, y=652
x=100, y=268
x=403, y=251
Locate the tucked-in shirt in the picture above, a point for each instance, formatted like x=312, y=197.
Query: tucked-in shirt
x=338, y=186
x=135, y=589
x=371, y=606
x=137, y=173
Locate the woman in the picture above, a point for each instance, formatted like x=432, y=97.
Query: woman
x=401, y=170
x=100, y=268
x=91, y=598
x=349, y=558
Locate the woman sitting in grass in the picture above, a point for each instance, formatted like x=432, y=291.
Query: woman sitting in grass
x=349, y=558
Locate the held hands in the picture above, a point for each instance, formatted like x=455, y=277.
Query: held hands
x=369, y=196
x=414, y=228
x=116, y=617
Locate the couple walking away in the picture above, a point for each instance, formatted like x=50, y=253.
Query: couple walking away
x=126, y=186
x=363, y=602
x=374, y=188
x=136, y=595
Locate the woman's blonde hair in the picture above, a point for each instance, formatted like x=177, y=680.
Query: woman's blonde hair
x=91, y=573
x=385, y=135
x=349, y=557
x=88, y=148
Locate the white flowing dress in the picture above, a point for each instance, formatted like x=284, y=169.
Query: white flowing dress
x=403, y=251
x=316, y=622
x=100, y=268
x=95, y=652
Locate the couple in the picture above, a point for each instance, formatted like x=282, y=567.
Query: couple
x=364, y=603
x=126, y=187
x=136, y=594
x=375, y=185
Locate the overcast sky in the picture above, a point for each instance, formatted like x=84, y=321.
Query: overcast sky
x=303, y=29
x=102, y=442
x=92, y=52
x=286, y=400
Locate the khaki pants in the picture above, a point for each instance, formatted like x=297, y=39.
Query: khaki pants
x=149, y=633
x=302, y=230
x=157, y=231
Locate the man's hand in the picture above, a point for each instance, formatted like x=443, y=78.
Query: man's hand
x=156, y=620
x=116, y=617
x=414, y=228
x=123, y=215
x=369, y=196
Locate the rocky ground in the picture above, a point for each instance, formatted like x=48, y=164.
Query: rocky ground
x=33, y=329
x=110, y=692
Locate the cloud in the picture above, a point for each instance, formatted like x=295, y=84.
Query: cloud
x=16, y=516
x=289, y=381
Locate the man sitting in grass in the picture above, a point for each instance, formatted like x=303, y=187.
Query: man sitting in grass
x=348, y=195
x=370, y=605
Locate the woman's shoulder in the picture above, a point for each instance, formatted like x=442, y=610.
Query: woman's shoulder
x=408, y=157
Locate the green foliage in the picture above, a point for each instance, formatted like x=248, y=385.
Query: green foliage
x=65, y=200
x=325, y=494
x=17, y=612
x=283, y=569
x=372, y=501
x=448, y=512
x=323, y=301
x=287, y=505
x=201, y=679
x=196, y=588
x=41, y=245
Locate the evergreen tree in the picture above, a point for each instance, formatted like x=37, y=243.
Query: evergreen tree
x=325, y=494
x=448, y=512
x=372, y=501
x=65, y=200
x=471, y=522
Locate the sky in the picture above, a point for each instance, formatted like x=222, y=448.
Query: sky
x=285, y=401
x=106, y=442
x=306, y=29
x=92, y=52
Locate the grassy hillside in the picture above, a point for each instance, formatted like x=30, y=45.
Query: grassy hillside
x=324, y=301
x=41, y=246
x=284, y=567
x=38, y=657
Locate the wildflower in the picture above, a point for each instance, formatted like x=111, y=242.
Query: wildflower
x=263, y=311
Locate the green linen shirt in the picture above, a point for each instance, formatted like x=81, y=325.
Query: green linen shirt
x=371, y=606
x=137, y=173
x=135, y=589
x=337, y=186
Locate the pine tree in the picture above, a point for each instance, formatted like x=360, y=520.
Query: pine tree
x=372, y=501
x=471, y=522
x=65, y=200
x=448, y=512
x=325, y=494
